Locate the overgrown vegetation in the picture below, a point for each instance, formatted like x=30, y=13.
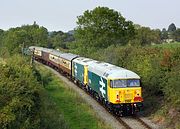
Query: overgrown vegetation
x=159, y=69
x=24, y=103
x=36, y=99
x=19, y=95
x=69, y=106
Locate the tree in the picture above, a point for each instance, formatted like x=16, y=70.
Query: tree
x=102, y=27
x=1, y=32
x=145, y=36
x=1, y=36
x=164, y=34
x=172, y=27
x=171, y=30
x=176, y=35
x=59, y=39
x=26, y=36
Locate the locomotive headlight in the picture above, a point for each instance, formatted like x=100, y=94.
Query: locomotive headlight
x=117, y=92
x=137, y=92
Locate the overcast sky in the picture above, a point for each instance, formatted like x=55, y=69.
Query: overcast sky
x=62, y=14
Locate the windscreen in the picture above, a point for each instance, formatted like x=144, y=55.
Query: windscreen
x=133, y=82
x=125, y=83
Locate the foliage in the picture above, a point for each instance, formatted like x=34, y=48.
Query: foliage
x=157, y=67
x=101, y=27
x=1, y=44
x=145, y=36
x=171, y=31
x=176, y=35
x=172, y=27
x=71, y=110
x=59, y=39
x=171, y=84
x=164, y=34
x=1, y=36
x=28, y=35
x=165, y=45
x=19, y=98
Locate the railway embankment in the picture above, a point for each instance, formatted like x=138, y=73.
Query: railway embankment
x=99, y=111
x=69, y=104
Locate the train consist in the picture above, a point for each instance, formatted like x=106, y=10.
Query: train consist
x=117, y=88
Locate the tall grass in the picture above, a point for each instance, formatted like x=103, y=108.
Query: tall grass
x=68, y=106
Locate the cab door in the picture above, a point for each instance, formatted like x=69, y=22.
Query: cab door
x=108, y=89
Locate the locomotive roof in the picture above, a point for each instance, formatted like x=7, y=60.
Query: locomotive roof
x=107, y=70
x=68, y=56
x=83, y=60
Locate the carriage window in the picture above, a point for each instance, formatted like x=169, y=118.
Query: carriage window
x=133, y=82
x=118, y=83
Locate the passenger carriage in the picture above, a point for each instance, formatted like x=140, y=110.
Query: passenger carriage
x=66, y=62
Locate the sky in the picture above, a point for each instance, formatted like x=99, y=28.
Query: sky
x=62, y=15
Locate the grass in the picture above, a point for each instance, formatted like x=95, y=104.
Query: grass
x=51, y=118
x=167, y=45
x=69, y=105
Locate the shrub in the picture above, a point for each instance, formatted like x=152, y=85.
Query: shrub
x=19, y=95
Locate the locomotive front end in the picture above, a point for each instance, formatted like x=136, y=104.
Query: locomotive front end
x=124, y=91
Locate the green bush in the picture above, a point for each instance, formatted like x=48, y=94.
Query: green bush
x=157, y=67
x=19, y=95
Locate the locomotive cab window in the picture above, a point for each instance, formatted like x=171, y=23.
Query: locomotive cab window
x=118, y=83
x=133, y=82
x=124, y=83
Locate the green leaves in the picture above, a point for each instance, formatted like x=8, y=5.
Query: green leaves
x=16, y=38
x=145, y=36
x=19, y=95
x=159, y=69
x=59, y=39
x=102, y=27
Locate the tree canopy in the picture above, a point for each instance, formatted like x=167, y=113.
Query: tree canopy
x=176, y=35
x=145, y=36
x=59, y=39
x=102, y=27
x=26, y=35
x=172, y=27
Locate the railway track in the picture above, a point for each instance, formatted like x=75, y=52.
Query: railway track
x=134, y=123
x=128, y=122
x=131, y=122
